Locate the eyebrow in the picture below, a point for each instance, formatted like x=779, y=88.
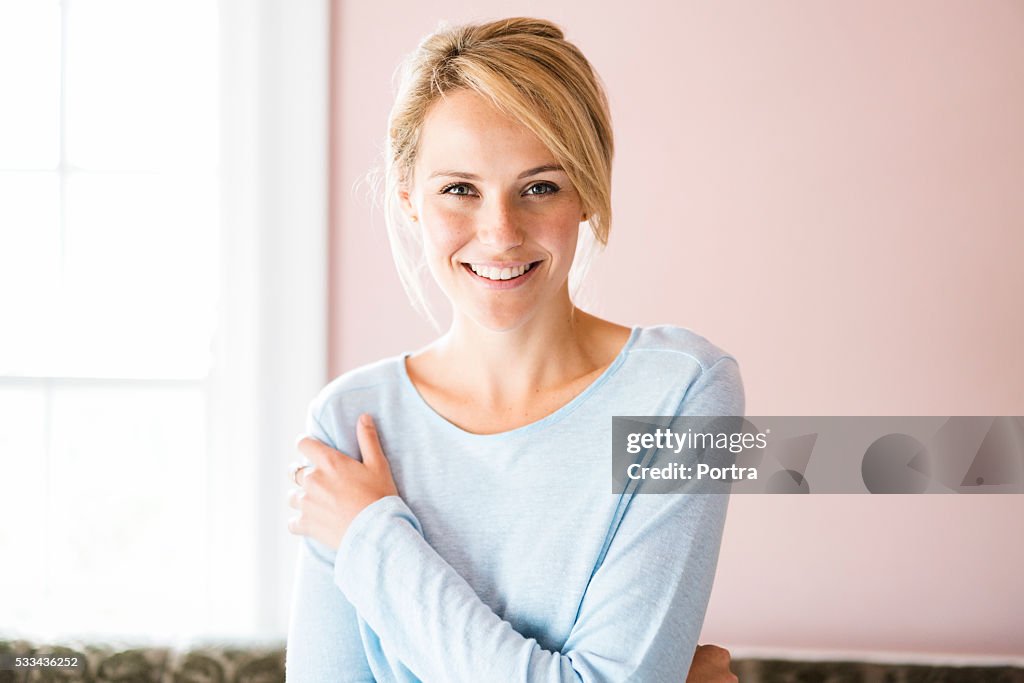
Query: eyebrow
x=471, y=176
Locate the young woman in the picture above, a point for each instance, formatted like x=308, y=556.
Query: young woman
x=454, y=503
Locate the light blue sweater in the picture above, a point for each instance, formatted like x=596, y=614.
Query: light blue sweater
x=506, y=557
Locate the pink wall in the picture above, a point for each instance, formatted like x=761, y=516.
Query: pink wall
x=834, y=192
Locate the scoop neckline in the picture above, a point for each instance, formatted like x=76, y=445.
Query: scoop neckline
x=536, y=425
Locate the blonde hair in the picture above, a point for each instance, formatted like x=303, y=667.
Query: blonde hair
x=527, y=69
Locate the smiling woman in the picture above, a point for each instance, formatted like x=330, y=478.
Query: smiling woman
x=497, y=218
x=455, y=502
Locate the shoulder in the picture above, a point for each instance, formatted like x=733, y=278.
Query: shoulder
x=358, y=385
x=708, y=375
x=671, y=342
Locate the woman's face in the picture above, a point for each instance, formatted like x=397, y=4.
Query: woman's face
x=491, y=202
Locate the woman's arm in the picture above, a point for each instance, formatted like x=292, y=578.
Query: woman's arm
x=323, y=631
x=639, y=619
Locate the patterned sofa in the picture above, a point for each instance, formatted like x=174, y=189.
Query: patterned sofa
x=234, y=663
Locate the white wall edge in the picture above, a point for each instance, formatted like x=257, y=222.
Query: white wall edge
x=272, y=349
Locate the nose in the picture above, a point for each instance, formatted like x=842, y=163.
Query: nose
x=498, y=226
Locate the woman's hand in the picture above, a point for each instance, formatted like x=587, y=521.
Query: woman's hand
x=711, y=665
x=337, y=488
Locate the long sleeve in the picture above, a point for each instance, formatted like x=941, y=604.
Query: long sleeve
x=323, y=631
x=640, y=616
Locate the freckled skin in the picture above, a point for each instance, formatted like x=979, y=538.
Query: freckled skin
x=495, y=217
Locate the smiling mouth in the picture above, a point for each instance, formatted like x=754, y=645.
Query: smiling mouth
x=500, y=274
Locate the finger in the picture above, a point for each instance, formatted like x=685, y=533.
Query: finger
x=295, y=498
x=369, y=443
x=295, y=525
x=316, y=451
x=296, y=470
x=717, y=654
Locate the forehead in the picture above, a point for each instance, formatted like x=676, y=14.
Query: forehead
x=464, y=131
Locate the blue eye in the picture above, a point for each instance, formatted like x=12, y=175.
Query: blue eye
x=463, y=191
x=462, y=186
x=552, y=189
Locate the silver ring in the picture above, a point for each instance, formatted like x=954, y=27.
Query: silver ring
x=295, y=473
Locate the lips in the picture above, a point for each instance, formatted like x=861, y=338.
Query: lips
x=506, y=276
x=500, y=271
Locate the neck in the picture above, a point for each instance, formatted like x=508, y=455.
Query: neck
x=506, y=368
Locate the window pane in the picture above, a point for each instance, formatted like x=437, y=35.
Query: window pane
x=29, y=83
x=140, y=276
x=127, y=503
x=29, y=270
x=22, y=501
x=142, y=96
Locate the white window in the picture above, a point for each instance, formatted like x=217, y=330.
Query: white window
x=162, y=310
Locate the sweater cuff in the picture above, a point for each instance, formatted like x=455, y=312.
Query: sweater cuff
x=363, y=544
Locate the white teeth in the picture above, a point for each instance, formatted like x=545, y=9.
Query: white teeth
x=492, y=273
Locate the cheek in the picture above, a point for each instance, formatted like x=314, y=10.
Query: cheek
x=444, y=231
x=558, y=227
x=568, y=254
x=560, y=238
x=448, y=228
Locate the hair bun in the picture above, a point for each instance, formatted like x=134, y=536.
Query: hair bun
x=450, y=40
x=527, y=25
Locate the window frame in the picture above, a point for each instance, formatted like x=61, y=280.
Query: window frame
x=270, y=346
x=271, y=350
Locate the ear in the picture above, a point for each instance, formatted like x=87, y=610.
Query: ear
x=406, y=203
